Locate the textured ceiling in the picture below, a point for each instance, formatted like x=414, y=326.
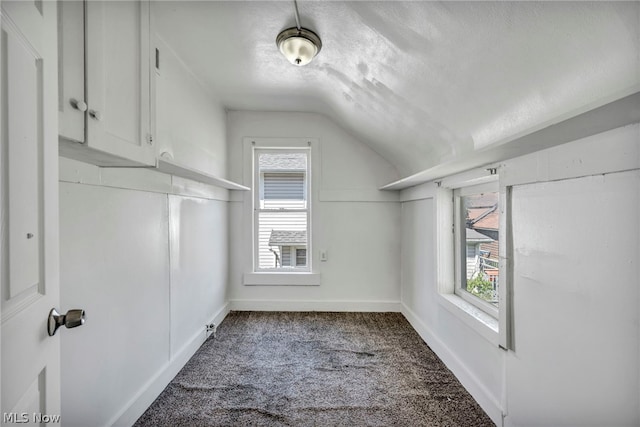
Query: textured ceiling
x=420, y=82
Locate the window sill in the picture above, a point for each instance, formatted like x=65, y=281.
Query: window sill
x=472, y=316
x=281, y=279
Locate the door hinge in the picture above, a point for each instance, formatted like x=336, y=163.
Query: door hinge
x=149, y=139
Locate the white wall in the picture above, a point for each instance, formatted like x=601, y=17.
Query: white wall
x=575, y=211
x=146, y=255
x=357, y=224
x=186, y=115
x=199, y=248
x=115, y=266
x=576, y=260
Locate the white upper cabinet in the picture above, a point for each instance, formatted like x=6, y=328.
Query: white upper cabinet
x=105, y=82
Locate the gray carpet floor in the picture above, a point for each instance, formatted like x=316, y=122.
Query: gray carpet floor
x=314, y=369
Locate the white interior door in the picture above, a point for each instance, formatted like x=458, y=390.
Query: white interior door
x=30, y=373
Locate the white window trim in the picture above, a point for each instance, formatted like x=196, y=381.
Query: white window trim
x=277, y=278
x=447, y=261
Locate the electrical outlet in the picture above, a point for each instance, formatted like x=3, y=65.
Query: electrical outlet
x=211, y=328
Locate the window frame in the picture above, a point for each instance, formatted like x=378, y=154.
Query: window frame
x=258, y=194
x=492, y=329
x=460, y=246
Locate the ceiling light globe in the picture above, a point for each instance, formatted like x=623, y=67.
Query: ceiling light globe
x=299, y=46
x=298, y=50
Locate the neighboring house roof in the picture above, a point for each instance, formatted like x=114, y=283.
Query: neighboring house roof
x=283, y=162
x=474, y=237
x=491, y=247
x=488, y=222
x=474, y=213
x=486, y=217
x=288, y=238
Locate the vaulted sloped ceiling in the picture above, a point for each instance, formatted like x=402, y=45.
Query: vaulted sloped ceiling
x=420, y=82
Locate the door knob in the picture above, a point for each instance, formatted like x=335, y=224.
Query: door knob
x=72, y=319
x=95, y=114
x=78, y=105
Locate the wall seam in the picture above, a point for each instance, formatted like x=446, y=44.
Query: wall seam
x=170, y=275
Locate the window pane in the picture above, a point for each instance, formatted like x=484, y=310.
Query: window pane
x=282, y=210
x=481, y=235
x=280, y=234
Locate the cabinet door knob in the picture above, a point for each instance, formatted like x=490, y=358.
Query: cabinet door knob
x=78, y=105
x=97, y=115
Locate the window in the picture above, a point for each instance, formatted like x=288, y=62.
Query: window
x=301, y=257
x=476, y=234
x=281, y=210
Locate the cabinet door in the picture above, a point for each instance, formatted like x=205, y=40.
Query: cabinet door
x=118, y=80
x=71, y=100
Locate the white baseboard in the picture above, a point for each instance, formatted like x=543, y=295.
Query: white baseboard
x=279, y=305
x=152, y=389
x=470, y=382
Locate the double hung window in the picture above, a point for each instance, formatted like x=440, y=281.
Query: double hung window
x=281, y=210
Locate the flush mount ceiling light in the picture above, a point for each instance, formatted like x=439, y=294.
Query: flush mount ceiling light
x=299, y=45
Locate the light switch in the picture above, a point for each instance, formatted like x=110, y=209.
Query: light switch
x=323, y=255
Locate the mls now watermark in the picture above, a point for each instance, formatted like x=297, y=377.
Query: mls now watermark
x=25, y=417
